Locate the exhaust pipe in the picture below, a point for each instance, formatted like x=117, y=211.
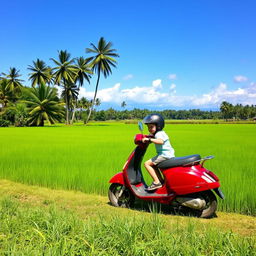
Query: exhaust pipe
x=194, y=203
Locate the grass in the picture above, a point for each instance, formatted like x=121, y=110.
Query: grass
x=85, y=157
x=40, y=221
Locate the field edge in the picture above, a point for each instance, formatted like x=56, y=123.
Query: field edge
x=91, y=206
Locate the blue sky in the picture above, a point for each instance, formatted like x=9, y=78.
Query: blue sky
x=173, y=54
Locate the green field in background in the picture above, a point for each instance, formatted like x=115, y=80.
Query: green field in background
x=85, y=157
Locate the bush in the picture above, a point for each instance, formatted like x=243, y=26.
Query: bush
x=21, y=115
x=4, y=123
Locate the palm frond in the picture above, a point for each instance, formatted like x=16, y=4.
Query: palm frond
x=43, y=104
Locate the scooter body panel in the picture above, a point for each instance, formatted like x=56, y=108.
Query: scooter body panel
x=159, y=195
x=118, y=178
x=189, y=179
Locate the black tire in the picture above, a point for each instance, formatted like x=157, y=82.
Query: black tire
x=211, y=204
x=125, y=200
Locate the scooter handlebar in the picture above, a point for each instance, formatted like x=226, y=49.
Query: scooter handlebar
x=138, y=138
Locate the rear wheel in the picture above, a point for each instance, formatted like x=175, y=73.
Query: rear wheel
x=120, y=196
x=207, y=212
x=211, y=204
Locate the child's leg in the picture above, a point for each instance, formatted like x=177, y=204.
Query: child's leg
x=149, y=165
x=159, y=175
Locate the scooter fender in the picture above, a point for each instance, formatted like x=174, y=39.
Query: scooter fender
x=118, y=178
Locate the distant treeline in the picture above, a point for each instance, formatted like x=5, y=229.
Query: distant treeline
x=227, y=111
x=112, y=114
x=238, y=111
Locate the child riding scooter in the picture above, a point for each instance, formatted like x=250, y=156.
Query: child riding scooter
x=165, y=151
x=186, y=182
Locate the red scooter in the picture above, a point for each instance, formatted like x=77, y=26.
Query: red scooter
x=186, y=183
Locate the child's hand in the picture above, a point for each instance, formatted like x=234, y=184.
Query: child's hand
x=144, y=140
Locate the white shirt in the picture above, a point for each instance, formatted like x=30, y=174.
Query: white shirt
x=165, y=150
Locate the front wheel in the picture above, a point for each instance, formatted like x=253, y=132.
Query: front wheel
x=120, y=196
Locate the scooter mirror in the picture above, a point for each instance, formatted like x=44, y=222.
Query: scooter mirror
x=140, y=124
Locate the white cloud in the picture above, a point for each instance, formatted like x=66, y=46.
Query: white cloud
x=173, y=86
x=105, y=95
x=157, y=83
x=59, y=90
x=172, y=76
x=244, y=96
x=240, y=79
x=155, y=95
x=128, y=77
x=172, y=89
x=150, y=94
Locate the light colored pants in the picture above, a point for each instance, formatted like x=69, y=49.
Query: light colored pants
x=158, y=159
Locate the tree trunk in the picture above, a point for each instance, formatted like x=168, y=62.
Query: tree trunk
x=67, y=114
x=80, y=114
x=95, y=94
x=73, y=116
x=42, y=122
x=89, y=115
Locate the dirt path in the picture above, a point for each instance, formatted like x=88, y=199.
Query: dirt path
x=93, y=206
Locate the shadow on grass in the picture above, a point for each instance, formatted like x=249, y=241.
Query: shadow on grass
x=154, y=207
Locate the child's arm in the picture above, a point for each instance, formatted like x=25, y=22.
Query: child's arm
x=156, y=141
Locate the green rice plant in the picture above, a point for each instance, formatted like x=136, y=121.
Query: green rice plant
x=50, y=231
x=86, y=157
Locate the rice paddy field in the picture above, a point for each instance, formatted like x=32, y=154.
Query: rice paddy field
x=84, y=158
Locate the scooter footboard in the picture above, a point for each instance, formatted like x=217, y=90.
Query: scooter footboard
x=118, y=178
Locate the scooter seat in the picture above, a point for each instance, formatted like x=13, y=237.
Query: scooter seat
x=179, y=161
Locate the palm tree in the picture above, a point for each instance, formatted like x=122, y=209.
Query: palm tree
x=64, y=70
x=13, y=81
x=5, y=94
x=41, y=74
x=83, y=72
x=97, y=102
x=8, y=99
x=83, y=103
x=226, y=108
x=123, y=104
x=21, y=114
x=70, y=94
x=64, y=74
x=101, y=62
x=43, y=104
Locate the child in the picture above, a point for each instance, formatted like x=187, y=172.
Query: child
x=155, y=123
